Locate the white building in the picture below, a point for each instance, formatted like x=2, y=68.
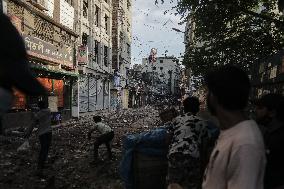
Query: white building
x=166, y=72
x=121, y=54
x=95, y=28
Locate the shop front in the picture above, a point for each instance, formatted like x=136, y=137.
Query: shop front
x=59, y=92
x=50, y=47
x=54, y=68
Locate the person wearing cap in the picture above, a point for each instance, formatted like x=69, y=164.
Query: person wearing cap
x=14, y=67
x=269, y=111
x=238, y=158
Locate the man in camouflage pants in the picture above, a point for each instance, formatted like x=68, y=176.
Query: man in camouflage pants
x=184, y=162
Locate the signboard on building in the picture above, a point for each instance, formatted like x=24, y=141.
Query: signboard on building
x=273, y=72
x=82, y=57
x=46, y=51
x=153, y=55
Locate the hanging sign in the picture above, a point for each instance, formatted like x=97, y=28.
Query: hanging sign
x=82, y=56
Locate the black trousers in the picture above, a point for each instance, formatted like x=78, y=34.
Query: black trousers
x=103, y=139
x=45, y=141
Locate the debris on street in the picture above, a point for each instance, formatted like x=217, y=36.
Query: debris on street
x=71, y=153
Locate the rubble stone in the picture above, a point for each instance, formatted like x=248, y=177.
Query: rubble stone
x=71, y=153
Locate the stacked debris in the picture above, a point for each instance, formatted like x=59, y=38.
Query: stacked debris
x=71, y=153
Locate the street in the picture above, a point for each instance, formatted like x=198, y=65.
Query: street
x=71, y=153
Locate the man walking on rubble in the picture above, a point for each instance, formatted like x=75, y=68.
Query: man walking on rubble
x=238, y=159
x=184, y=157
x=105, y=137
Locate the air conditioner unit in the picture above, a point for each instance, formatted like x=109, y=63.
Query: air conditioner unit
x=40, y=4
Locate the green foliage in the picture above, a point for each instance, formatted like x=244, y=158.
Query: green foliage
x=239, y=32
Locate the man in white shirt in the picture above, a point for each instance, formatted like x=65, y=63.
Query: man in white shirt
x=238, y=159
x=106, y=136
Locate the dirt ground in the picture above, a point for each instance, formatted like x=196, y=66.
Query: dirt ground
x=71, y=153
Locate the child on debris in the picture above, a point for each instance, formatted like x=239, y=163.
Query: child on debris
x=42, y=120
x=105, y=137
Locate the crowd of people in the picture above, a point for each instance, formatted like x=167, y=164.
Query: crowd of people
x=236, y=153
x=245, y=154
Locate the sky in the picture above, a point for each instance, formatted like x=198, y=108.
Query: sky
x=152, y=28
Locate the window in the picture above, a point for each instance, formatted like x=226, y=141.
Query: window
x=84, y=39
x=161, y=68
x=161, y=61
x=97, y=14
x=154, y=68
x=85, y=8
x=121, y=41
x=106, y=24
x=96, y=52
x=106, y=56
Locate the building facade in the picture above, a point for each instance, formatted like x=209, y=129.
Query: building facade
x=48, y=31
x=94, y=54
x=121, y=55
x=165, y=74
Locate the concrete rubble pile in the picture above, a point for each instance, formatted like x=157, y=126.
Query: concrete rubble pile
x=71, y=153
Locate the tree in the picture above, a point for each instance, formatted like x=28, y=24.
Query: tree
x=239, y=32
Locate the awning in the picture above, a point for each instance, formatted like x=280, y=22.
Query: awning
x=53, y=73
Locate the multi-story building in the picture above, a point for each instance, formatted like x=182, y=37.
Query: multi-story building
x=121, y=55
x=48, y=31
x=137, y=87
x=94, y=54
x=165, y=74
